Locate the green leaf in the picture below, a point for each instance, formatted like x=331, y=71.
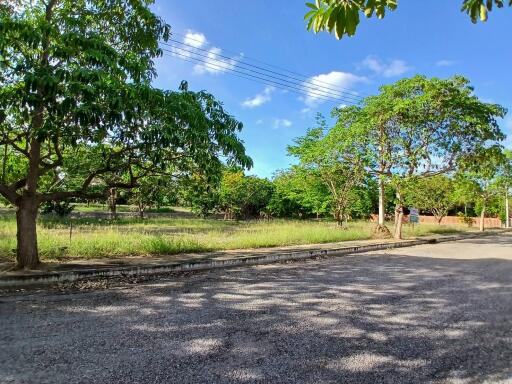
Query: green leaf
x=483, y=13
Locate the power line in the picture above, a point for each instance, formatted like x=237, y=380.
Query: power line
x=213, y=64
x=232, y=64
x=216, y=67
x=308, y=83
x=271, y=65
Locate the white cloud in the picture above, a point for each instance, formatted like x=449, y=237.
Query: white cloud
x=391, y=68
x=213, y=63
x=315, y=86
x=211, y=59
x=192, y=40
x=195, y=39
x=259, y=121
x=445, y=63
x=260, y=98
x=282, y=123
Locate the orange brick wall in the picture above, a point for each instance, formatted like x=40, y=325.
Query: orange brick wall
x=489, y=222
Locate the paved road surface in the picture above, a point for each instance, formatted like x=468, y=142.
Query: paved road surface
x=428, y=314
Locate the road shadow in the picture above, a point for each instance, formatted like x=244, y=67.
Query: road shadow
x=380, y=318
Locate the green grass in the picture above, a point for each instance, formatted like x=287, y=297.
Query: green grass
x=96, y=238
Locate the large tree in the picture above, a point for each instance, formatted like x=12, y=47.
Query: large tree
x=421, y=127
x=76, y=102
x=341, y=17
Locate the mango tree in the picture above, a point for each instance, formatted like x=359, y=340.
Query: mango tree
x=75, y=79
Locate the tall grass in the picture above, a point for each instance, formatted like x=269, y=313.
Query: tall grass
x=95, y=238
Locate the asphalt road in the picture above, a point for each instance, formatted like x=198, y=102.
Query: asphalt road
x=428, y=314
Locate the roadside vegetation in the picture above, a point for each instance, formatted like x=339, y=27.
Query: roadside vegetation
x=81, y=122
x=92, y=238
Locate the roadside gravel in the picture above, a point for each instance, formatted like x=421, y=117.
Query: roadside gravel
x=428, y=314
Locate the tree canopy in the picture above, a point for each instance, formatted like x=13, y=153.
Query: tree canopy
x=419, y=127
x=341, y=17
x=76, y=103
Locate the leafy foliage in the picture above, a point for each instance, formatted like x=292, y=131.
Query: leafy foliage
x=433, y=194
x=341, y=17
x=299, y=193
x=59, y=208
x=75, y=81
x=244, y=196
x=337, y=159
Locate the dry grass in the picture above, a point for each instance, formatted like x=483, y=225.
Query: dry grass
x=96, y=238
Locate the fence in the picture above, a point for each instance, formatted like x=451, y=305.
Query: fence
x=489, y=222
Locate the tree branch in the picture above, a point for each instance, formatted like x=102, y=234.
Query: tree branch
x=8, y=193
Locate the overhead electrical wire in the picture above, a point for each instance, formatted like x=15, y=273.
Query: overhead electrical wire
x=230, y=67
x=215, y=61
x=190, y=38
x=257, y=79
x=307, y=82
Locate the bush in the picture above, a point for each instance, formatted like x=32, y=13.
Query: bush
x=59, y=208
x=465, y=219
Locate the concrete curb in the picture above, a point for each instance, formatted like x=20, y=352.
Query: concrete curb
x=81, y=274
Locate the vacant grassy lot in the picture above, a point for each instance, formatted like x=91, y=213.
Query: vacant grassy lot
x=61, y=239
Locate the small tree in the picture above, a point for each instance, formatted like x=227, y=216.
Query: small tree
x=300, y=192
x=432, y=194
x=336, y=158
x=505, y=183
x=153, y=191
x=243, y=196
x=478, y=180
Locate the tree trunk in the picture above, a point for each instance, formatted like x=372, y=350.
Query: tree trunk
x=26, y=236
x=339, y=217
x=482, y=218
x=141, y=211
x=399, y=214
x=507, y=210
x=382, y=209
x=4, y=164
x=438, y=215
x=381, y=231
x=26, y=213
x=112, y=203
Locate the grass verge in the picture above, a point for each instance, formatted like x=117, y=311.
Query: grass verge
x=96, y=238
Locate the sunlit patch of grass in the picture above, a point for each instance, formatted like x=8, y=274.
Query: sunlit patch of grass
x=97, y=238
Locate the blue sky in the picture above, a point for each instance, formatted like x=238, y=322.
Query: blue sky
x=421, y=37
